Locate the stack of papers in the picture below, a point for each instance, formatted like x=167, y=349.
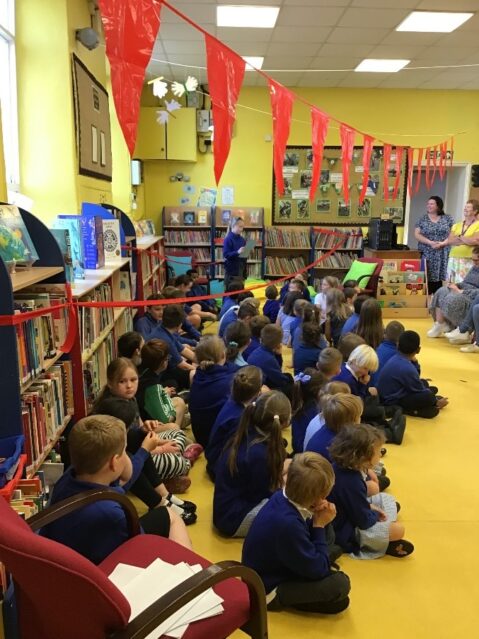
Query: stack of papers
x=143, y=586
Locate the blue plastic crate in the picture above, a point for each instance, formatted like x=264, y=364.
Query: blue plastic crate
x=10, y=450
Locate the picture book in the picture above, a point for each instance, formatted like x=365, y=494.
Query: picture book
x=111, y=240
x=254, y=217
x=150, y=225
x=202, y=217
x=389, y=265
x=144, y=227
x=15, y=241
x=93, y=247
x=174, y=217
x=189, y=217
x=73, y=225
x=62, y=237
x=410, y=265
x=138, y=229
x=225, y=216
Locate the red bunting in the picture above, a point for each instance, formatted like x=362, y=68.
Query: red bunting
x=347, y=144
x=428, y=167
x=442, y=160
x=130, y=33
x=320, y=123
x=451, y=151
x=386, y=161
x=225, y=77
x=420, y=153
x=399, y=156
x=410, y=168
x=282, y=108
x=434, y=163
x=367, y=150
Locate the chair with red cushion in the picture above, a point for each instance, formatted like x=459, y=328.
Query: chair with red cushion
x=373, y=283
x=61, y=594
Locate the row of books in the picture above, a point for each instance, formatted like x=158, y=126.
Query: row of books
x=94, y=370
x=45, y=406
x=287, y=238
x=248, y=235
x=252, y=270
x=326, y=240
x=403, y=277
x=283, y=265
x=337, y=260
x=255, y=255
x=95, y=320
x=187, y=237
x=402, y=289
x=201, y=254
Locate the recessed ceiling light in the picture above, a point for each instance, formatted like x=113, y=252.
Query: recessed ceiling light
x=433, y=21
x=253, y=62
x=246, y=16
x=381, y=66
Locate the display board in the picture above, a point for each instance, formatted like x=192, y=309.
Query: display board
x=328, y=206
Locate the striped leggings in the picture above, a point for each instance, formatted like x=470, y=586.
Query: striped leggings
x=169, y=465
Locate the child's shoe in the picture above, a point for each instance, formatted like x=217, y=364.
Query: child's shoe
x=178, y=484
x=192, y=452
x=438, y=329
x=189, y=506
x=400, y=548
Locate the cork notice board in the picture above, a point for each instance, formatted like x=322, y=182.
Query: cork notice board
x=92, y=124
x=328, y=206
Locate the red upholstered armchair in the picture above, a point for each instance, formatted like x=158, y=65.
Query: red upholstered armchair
x=372, y=286
x=61, y=594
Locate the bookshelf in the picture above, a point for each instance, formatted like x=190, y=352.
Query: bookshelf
x=253, y=230
x=189, y=228
x=402, y=290
x=339, y=263
x=287, y=250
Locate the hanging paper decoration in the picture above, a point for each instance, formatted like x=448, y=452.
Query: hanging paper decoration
x=320, y=123
x=172, y=105
x=428, y=168
x=225, y=77
x=420, y=153
x=397, y=180
x=282, y=108
x=130, y=29
x=162, y=117
x=190, y=85
x=367, y=151
x=347, y=143
x=410, y=167
x=386, y=161
x=442, y=160
x=160, y=88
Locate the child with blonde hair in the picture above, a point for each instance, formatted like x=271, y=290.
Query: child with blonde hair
x=327, y=283
x=337, y=312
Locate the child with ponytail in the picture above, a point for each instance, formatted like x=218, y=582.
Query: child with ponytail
x=251, y=466
x=237, y=339
x=306, y=389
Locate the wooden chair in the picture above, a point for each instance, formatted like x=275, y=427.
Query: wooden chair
x=61, y=594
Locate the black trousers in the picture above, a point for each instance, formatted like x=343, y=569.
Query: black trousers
x=156, y=522
x=423, y=404
x=176, y=377
x=327, y=596
x=432, y=287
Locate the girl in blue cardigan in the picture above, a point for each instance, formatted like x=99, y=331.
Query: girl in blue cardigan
x=251, y=466
x=233, y=247
x=211, y=386
x=366, y=528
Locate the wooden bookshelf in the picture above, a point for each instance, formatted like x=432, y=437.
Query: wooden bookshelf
x=189, y=229
x=253, y=218
x=339, y=263
x=287, y=249
x=26, y=277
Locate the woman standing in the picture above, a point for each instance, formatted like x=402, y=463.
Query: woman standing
x=462, y=239
x=233, y=246
x=432, y=233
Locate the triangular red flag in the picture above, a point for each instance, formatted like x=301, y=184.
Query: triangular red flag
x=320, y=123
x=282, y=109
x=442, y=160
x=386, y=161
x=225, y=77
x=399, y=156
x=410, y=169
x=347, y=143
x=428, y=167
x=130, y=29
x=367, y=151
x=420, y=153
x=451, y=152
x=434, y=163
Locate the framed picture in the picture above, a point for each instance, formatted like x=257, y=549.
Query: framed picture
x=323, y=206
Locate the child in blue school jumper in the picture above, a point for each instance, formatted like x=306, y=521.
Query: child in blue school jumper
x=147, y=324
x=351, y=324
x=246, y=387
x=211, y=386
x=198, y=290
x=304, y=312
x=399, y=381
x=299, y=284
x=237, y=338
x=318, y=421
x=306, y=389
x=286, y=316
x=251, y=466
x=129, y=345
x=97, y=446
x=286, y=544
x=368, y=528
x=388, y=347
x=268, y=358
x=233, y=247
x=184, y=284
x=231, y=300
x=271, y=306
x=306, y=354
x=256, y=325
x=245, y=308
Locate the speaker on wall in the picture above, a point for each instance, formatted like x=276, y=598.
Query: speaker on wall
x=136, y=172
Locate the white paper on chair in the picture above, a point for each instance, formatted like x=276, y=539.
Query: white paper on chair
x=142, y=587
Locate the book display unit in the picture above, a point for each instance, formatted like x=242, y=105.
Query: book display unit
x=287, y=249
x=187, y=228
x=402, y=291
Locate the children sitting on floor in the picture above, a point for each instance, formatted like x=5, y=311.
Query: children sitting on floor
x=329, y=362
x=307, y=352
x=268, y=358
x=399, y=381
x=370, y=326
x=256, y=324
x=246, y=387
x=231, y=300
x=251, y=466
x=327, y=283
x=286, y=544
x=348, y=343
x=350, y=295
x=191, y=325
x=211, y=386
x=286, y=315
x=237, y=339
x=366, y=528
x=304, y=312
x=184, y=284
x=246, y=309
x=271, y=306
x=299, y=284
x=197, y=290
x=129, y=345
x=318, y=421
x=304, y=404
x=351, y=323
x=337, y=312
x=388, y=347
x=97, y=446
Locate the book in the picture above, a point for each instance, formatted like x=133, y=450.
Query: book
x=188, y=217
x=16, y=245
x=73, y=225
x=410, y=265
x=111, y=240
x=202, y=217
x=62, y=237
x=174, y=217
x=254, y=217
x=93, y=247
x=226, y=216
x=151, y=227
x=138, y=229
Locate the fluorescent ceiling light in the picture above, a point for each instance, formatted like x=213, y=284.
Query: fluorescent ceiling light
x=253, y=62
x=246, y=16
x=381, y=66
x=433, y=21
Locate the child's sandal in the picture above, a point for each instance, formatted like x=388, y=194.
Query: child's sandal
x=400, y=548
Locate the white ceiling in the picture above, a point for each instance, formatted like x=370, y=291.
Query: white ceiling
x=328, y=34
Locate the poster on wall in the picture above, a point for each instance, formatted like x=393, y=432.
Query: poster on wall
x=92, y=123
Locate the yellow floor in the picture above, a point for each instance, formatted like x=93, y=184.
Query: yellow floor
x=434, y=594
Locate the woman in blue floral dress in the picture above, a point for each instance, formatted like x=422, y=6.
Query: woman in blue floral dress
x=431, y=232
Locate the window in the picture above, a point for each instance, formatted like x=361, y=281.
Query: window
x=8, y=92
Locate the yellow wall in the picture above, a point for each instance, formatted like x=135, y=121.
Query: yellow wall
x=380, y=112
x=48, y=161
x=3, y=182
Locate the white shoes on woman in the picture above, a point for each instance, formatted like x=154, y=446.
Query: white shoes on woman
x=438, y=329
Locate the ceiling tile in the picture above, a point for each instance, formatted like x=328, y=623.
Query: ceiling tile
x=474, y=85
x=287, y=62
x=447, y=5
x=303, y=16
x=357, y=36
x=248, y=48
x=300, y=48
x=388, y=18
x=459, y=38
x=406, y=79
x=395, y=52
x=445, y=55
x=230, y=34
x=272, y=3
x=405, y=38
x=200, y=12
x=329, y=50
x=300, y=34
x=189, y=47
x=320, y=79
x=316, y=3
x=181, y=31
x=381, y=4
x=290, y=79
x=189, y=60
x=336, y=62
x=369, y=80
